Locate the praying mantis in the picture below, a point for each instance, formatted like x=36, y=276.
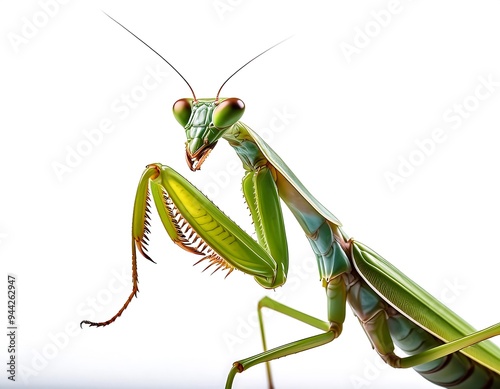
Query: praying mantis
x=391, y=308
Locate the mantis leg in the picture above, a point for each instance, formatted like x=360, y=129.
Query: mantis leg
x=336, y=302
x=436, y=361
x=278, y=352
x=274, y=305
x=450, y=347
x=432, y=358
x=195, y=224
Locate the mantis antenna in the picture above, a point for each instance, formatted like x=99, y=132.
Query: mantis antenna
x=257, y=56
x=154, y=51
x=172, y=66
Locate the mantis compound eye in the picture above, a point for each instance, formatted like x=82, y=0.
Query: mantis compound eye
x=228, y=112
x=182, y=111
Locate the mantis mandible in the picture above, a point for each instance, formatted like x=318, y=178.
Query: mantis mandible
x=390, y=307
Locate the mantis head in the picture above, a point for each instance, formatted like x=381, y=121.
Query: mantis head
x=205, y=121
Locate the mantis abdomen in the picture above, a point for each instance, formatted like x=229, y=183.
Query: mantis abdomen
x=452, y=371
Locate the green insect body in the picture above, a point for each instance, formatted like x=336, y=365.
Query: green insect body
x=391, y=308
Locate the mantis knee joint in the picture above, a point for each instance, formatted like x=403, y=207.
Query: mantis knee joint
x=392, y=360
x=336, y=328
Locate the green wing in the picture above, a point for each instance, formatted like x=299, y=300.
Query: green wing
x=418, y=305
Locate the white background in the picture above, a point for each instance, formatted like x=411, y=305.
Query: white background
x=66, y=237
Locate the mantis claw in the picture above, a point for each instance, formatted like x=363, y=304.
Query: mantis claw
x=141, y=245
